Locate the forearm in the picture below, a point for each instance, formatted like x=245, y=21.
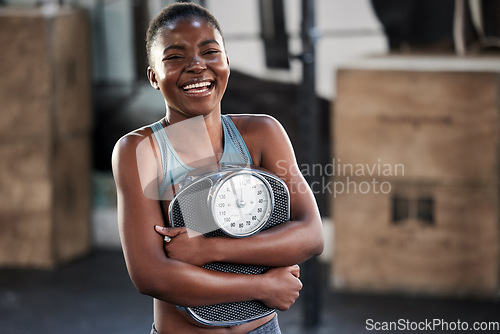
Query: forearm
x=183, y=284
x=287, y=244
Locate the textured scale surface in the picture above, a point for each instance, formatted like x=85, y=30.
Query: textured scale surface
x=191, y=210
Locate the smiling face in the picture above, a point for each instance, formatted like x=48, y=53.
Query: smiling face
x=190, y=67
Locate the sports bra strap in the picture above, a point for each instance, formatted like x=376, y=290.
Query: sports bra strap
x=237, y=139
x=162, y=141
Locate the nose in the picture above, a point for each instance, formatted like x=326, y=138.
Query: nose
x=196, y=65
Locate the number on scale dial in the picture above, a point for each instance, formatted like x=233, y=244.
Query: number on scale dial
x=242, y=204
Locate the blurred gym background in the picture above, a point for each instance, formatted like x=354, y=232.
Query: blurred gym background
x=398, y=98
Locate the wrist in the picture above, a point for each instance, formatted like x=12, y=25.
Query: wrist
x=217, y=249
x=260, y=286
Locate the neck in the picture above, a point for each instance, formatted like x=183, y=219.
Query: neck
x=198, y=136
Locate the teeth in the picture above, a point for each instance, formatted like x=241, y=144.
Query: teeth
x=197, y=85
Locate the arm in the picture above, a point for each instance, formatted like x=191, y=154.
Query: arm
x=283, y=245
x=166, y=278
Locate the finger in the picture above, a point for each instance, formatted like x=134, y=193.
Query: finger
x=301, y=284
x=295, y=270
x=170, y=231
x=161, y=229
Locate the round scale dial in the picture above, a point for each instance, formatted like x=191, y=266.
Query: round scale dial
x=242, y=203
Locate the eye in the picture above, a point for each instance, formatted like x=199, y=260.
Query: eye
x=173, y=57
x=211, y=52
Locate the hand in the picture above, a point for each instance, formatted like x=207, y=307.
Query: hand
x=282, y=287
x=186, y=245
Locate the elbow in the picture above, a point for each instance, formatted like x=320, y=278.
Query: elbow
x=311, y=250
x=317, y=242
x=147, y=285
x=146, y=290
x=315, y=247
x=312, y=241
x=143, y=287
x=318, y=247
x=150, y=283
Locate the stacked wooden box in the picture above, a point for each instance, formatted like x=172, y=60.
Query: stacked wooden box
x=44, y=137
x=428, y=130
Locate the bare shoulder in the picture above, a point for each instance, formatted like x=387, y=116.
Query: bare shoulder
x=266, y=140
x=129, y=143
x=129, y=150
x=256, y=124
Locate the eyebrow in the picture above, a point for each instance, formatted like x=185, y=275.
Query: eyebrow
x=208, y=41
x=180, y=47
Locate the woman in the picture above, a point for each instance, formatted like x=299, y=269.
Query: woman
x=189, y=66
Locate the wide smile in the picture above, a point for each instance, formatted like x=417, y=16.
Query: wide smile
x=198, y=89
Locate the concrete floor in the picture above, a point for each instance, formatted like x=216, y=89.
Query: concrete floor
x=95, y=295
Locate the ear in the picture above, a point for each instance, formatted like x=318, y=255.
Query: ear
x=152, y=78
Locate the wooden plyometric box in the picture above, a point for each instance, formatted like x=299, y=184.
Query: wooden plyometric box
x=45, y=81
x=443, y=240
x=44, y=137
x=417, y=141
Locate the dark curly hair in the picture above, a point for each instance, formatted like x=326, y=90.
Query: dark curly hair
x=172, y=13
